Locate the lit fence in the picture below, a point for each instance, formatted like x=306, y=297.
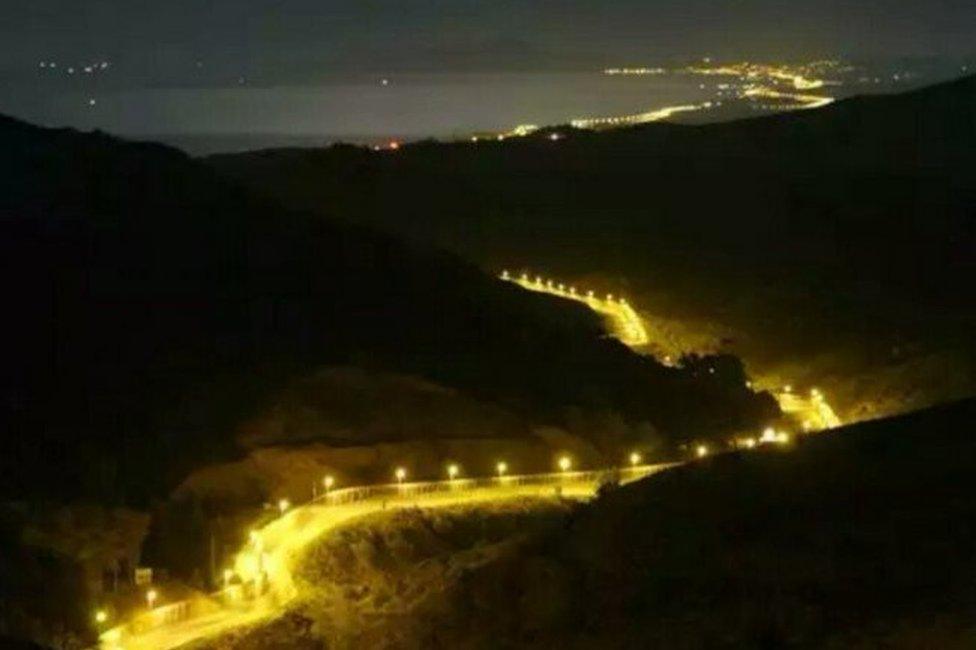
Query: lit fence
x=240, y=594
x=413, y=490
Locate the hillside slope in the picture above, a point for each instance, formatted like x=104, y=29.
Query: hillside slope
x=828, y=245
x=153, y=307
x=858, y=538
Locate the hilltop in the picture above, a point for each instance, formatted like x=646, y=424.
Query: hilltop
x=826, y=247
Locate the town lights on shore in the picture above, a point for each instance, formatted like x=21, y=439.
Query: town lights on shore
x=401, y=474
x=501, y=468
x=452, y=471
x=283, y=505
x=635, y=458
x=701, y=451
x=565, y=463
x=151, y=597
x=101, y=616
x=328, y=482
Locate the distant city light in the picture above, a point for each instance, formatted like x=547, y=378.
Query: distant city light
x=452, y=471
x=501, y=468
x=565, y=463
x=635, y=458
x=328, y=482
x=283, y=505
x=401, y=473
x=701, y=451
x=151, y=597
x=101, y=616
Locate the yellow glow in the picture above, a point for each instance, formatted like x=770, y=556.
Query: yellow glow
x=627, y=324
x=701, y=451
x=655, y=115
x=565, y=463
x=283, y=505
x=101, y=616
x=750, y=443
x=635, y=458
x=452, y=471
x=501, y=468
x=328, y=482
x=401, y=473
x=151, y=597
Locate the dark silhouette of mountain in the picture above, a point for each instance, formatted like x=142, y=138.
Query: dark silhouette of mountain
x=860, y=537
x=152, y=306
x=836, y=239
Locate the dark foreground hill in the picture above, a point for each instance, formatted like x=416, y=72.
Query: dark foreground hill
x=150, y=307
x=859, y=538
x=829, y=246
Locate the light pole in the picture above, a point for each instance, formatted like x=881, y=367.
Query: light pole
x=401, y=473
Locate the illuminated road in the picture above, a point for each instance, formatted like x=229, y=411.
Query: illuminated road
x=810, y=411
x=625, y=324
x=265, y=565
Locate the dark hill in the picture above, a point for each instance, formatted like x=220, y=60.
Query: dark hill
x=833, y=242
x=859, y=538
x=151, y=306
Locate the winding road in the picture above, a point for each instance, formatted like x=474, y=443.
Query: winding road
x=264, y=584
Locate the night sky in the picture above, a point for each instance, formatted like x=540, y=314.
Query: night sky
x=218, y=44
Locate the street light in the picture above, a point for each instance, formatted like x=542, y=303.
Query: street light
x=452, y=471
x=101, y=616
x=701, y=451
x=328, y=482
x=565, y=463
x=401, y=474
x=151, y=597
x=283, y=505
x=635, y=458
x=501, y=468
